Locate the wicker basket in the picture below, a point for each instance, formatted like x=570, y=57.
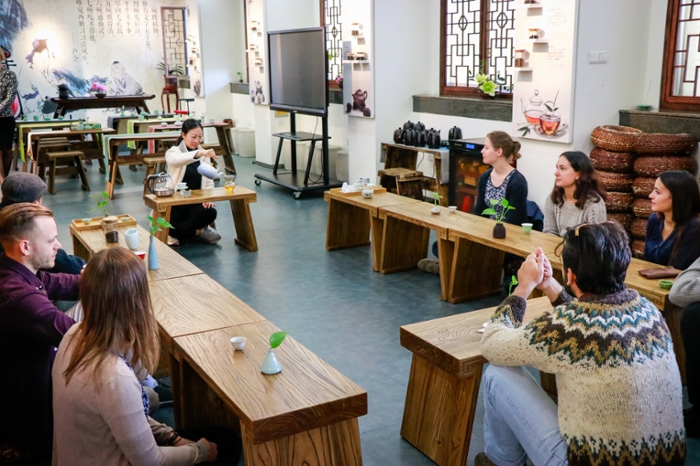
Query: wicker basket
x=618, y=182
x=666, y=144
x=638, y=248
x=642, y=208
x=624, y=219
x=621, y=162
x=619, y=202
x=638, y=229
x=643, y=186
x=615, y=138
x=654, y=166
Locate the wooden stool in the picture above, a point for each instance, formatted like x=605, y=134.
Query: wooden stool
x=72, y=156
x=389, y=178
x=153, y=165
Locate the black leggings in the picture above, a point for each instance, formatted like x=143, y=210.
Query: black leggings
x=690, y=329
x=187, y=219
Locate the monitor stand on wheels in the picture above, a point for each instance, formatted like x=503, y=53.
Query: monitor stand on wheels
x=293, y=180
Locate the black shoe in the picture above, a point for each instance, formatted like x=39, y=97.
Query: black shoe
x=691, y=420
x=483, y=460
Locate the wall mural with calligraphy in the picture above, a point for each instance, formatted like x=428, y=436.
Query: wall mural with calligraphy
x=115, y=43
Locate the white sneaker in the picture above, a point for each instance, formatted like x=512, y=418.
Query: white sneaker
x=210, y=235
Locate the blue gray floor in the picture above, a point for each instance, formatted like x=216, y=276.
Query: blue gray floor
x=332, y=302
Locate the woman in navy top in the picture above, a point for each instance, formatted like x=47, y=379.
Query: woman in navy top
x=673, y=231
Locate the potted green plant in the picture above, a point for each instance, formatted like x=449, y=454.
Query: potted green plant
x=155, y=227
x=436, y=208
x=499, y=230
x=170, y=74
x=102, y=203
x=271, y=365
x=240, y=77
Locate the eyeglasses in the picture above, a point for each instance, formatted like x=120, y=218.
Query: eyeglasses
x=195, y=138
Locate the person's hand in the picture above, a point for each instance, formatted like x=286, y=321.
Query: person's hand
x=183, y=441
x=208, y=205
x=208, y=153
x=547, y=265
x=530, y=275
x=211, y=448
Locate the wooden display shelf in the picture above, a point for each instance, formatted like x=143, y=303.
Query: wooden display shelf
x=124, y=220
x=339, y=191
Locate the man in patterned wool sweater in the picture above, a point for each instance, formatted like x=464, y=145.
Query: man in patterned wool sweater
x=620, y=395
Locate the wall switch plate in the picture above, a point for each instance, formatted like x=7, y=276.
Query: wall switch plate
x=597, y=58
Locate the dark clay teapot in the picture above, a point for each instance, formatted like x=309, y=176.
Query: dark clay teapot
x=398, y=136
x=419, y=126
x=408, y=125
x=434, y=139
x=421, y=139
x=358, y=99
x=454, y=133
x=409, y=137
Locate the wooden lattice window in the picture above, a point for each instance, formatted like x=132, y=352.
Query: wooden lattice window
x=476, y=35
x=331, y=11
x=174, y=32
x=680, y=85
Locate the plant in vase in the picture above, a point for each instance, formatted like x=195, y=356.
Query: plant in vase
x=489, y=87
x=271, y=365
x=436, y=208
x=499, y=230
x=155, y=227
x=240, y=77
x=102, y=203
x=339, y=81
x=98, y=89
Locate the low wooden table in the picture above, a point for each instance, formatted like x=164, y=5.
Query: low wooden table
x=195, y=304
x=86, y=243
x=350, y=219
x=307, y=414
x=36, y=140
x=239, y=200
x=137, y=102
x=443, y=386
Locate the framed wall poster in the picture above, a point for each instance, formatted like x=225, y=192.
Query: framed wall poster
x=544, y=84
x=257, y=53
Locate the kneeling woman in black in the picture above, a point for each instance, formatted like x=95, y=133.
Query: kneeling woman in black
x=191, y=221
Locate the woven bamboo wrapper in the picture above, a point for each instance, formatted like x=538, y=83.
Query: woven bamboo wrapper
x=642, y=208
x=654, y=166
x=666, y=144
x=638, y=248
x=638, y=229
x=619, y=202
x=643, y=186
x=620, y=162
x=618, y=182
x=615, y=138
x=624, y=219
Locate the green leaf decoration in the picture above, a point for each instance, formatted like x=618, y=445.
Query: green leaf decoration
x=489, y=211
x=504, y=202
x=525, y=131
x=513, y=283
x=277, y=338
x=493, y=202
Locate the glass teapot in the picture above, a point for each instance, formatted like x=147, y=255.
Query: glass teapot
x=533, y=111
x=160, y=184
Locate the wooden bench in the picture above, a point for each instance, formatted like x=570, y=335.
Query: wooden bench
x=443, y=385
x=239, y=201
x=74, y=166
x=389, y=178
x=350, y=219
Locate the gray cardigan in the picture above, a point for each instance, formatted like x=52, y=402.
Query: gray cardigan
x=686, y=287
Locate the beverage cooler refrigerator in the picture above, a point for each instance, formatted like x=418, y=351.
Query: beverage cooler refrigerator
x=466, y=166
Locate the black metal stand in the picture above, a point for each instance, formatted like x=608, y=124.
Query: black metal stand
x=291, y=180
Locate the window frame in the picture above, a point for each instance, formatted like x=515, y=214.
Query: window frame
x=668, y=100
x=332, y=84
x=484, y=54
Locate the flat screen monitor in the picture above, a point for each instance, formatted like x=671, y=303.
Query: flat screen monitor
x=298, y=74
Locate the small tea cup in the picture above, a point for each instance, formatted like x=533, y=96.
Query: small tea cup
x=86, y=221
x=527, y=228
x=238, y=342
x=452, y=209
x=141, y=254
x=666, y=284
x=368, y=193
x=182, y=186
x=132, y=238
x=164, y=123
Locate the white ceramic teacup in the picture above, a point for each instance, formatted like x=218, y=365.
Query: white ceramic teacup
x=132, y=238
x=452, y=209
x=238, y=342
x=181, y=186
x=367, y=193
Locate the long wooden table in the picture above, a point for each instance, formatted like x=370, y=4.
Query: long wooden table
x=25, y=127
x=87, y=243
x=351, y=218
x=443, y=385
x=137, y=102
x=239, y=200
x=305, y=415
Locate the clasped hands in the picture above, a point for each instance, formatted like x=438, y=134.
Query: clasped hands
x=536, y=273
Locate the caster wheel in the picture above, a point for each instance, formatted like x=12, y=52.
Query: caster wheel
x=257, y=182
x=297, y=195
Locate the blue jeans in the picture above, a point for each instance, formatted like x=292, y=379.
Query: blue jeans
x=520, y=420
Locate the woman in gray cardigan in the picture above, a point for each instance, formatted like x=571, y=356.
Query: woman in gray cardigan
x=576, y=198
x=686, y=293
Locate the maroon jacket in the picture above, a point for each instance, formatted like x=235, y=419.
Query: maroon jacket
x=30, y=330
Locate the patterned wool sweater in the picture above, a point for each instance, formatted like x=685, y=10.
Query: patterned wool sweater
x=620, y=394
